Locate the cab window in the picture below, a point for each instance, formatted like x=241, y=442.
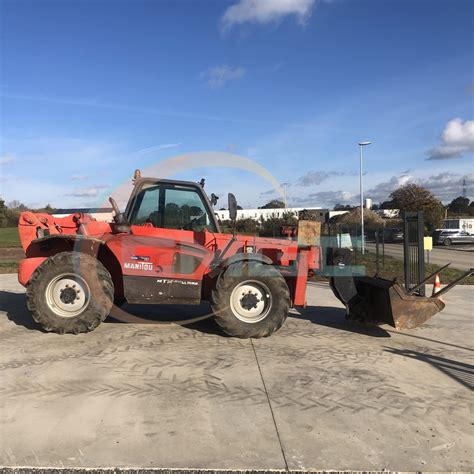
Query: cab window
x=171, y=207
x=185, y=209
x=146, y=207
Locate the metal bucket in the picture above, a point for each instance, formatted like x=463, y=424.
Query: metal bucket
x=379, y=301
x=386, y=302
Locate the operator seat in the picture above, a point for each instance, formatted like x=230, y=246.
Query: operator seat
x=154, y=218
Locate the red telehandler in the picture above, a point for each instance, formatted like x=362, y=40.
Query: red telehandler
x=167, y=248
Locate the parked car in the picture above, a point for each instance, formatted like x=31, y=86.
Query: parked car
x=393, y=235
x=452, y=236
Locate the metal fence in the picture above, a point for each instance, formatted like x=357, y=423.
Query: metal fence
x=413, y=250
x=410, y=233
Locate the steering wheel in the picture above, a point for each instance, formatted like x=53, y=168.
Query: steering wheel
x=190, y=224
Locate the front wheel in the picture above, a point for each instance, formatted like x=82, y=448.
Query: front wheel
x=447, y=242
x=251, y=299
x=70, y=292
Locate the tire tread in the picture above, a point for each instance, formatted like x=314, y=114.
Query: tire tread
x=94, y=314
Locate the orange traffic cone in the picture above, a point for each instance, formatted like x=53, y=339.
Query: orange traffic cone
x=436, y=286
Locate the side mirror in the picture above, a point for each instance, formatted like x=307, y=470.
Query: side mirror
x=232, y=204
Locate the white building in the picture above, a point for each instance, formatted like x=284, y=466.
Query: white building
x=103, y=214
x=388, y=213
x=257, y=214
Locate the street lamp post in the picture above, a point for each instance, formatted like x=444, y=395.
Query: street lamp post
x=361, y=184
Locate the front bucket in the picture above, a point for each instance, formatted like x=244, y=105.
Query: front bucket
x=377, y=300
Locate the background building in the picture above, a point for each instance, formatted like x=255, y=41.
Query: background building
x=103, y=214
x=258, y=214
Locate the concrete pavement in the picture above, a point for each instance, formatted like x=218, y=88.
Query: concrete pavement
x=460, y=257
x=319, y=394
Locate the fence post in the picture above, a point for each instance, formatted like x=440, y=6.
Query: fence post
x=413, y=250
x=377, y=267
x=383, y=245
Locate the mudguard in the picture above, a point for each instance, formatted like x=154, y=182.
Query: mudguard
x=240, y=257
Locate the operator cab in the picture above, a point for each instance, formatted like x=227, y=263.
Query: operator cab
x=171, y=205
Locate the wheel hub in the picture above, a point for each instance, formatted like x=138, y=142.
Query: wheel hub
x=250, y=301
x=67, y=295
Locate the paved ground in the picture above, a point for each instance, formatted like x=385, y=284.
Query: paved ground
x=460, y=256
x=320, y=393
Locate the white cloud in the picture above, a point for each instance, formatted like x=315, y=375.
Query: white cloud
x=273, y=191
x=317, y=177
x=324, y=199
x=330, y=198
x=152, y=149
x=381, y=191
x=445, y=186
x=6, y=158
x=217, y=76
x=456, y=140
x=266, y=11
x=144, y=110
x=78, y=177
x=89, y=192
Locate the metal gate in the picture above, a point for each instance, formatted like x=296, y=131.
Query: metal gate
x=414, y=251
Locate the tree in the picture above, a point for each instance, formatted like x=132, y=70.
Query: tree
x=272, y=225
x=342, y=207
x=387, y=205
x=274, y=204
x=412, y=197
x=352, y=218
x=459, y=205
x=3, y=214
x=15, y=204
x=246, y=226
x=48, y=209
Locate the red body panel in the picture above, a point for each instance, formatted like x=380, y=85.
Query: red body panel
x=26, y=268
x=166, y=253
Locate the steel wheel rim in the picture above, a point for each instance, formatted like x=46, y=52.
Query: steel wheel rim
x=251, y=301
x=67, y=295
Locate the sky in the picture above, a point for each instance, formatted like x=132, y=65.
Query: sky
x=90, y=90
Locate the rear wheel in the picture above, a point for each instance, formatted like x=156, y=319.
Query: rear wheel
x=70, y=292
x=251, y=299
x=447, y=242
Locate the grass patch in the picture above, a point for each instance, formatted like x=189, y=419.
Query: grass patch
x=9, y=237
x=8, y=267
x=393, y=268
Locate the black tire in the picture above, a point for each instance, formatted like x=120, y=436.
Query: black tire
x=447, y=242
x=98, y=291
x=254, y=273
x=119, y=302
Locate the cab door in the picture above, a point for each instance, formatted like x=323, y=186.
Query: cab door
x=164, y=257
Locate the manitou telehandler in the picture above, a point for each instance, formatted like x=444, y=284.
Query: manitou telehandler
x=167, y=248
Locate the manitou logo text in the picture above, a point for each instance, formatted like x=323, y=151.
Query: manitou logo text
x=138, y=266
